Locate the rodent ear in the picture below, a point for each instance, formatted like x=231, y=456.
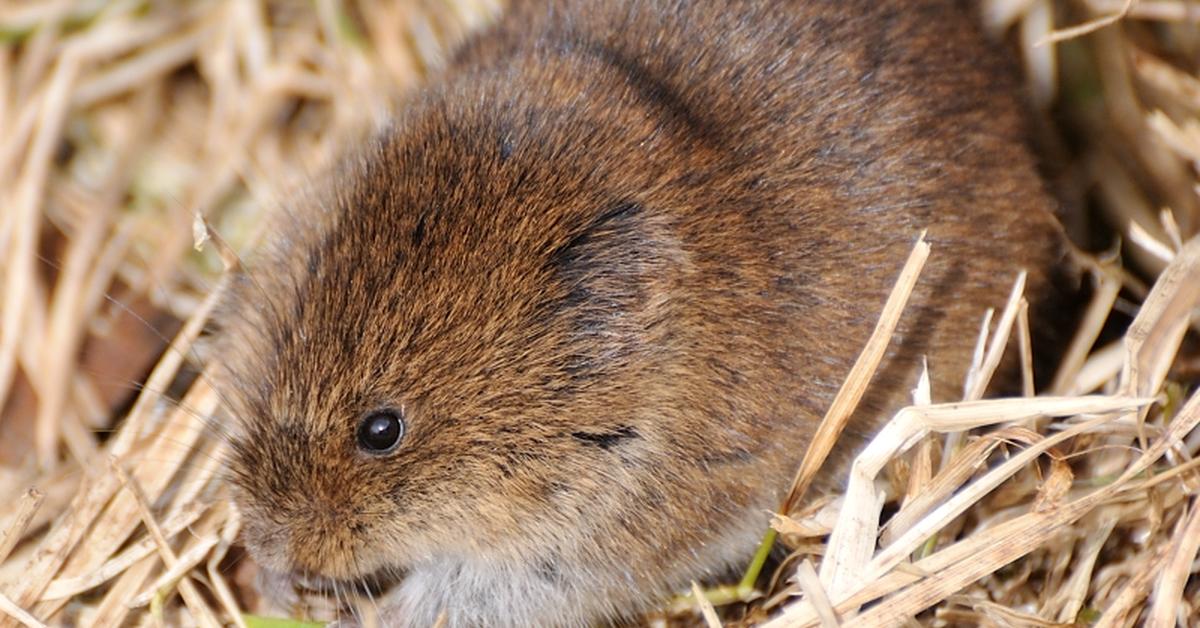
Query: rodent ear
x=617, y=225
x=613, y=257
x=608, y=273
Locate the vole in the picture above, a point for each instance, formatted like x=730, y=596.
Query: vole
x=545, y=349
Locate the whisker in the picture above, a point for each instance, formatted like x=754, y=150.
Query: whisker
x=337, y=596
x=105, y=379
x=190, y=356
x=364, y=585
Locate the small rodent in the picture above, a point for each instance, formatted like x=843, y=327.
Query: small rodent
x=545, y=349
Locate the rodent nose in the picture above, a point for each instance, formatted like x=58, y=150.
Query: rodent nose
x=317, y=541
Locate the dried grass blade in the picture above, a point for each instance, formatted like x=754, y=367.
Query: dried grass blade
x=25, y=204
x=53, y=551
x=855, y=384
x=980, y=379
x=200, y=609
x=1011, y=540
x=848, y=564
x=893, y=554
x=1086, y=334
x=1168, y=590
x=27, y=507
x=1156, y=332
x=229, y=532
x=1103, y=366
x=1087, y=27
x=983, y=553
x=1025, y=349
x=113, y=567
x=706, y=608
x=810, y=583
x=1068, y=600
x=959, y=469
x=174, y=442
x=1041, y=62
x=113, y=610
x=147, y=66
x=184, y=563
x=16, y=612
x=1121, y=611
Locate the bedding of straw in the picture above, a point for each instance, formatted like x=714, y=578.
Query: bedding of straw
x=123, y=121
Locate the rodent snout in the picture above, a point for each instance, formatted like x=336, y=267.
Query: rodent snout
x=305, y=527
x=317, y=542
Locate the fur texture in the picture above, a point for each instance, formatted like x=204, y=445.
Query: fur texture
x=612, y=266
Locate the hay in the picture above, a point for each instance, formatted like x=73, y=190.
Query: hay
x=124, y=121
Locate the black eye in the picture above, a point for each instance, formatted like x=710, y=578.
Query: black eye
x=380, y=431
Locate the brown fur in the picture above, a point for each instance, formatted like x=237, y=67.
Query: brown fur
x=613, y=266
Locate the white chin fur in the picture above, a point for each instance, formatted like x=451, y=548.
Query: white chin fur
x=480, y=594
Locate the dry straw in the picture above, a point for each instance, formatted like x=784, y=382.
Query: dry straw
x=124, y=124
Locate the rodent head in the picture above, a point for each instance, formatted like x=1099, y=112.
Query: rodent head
x=449, y=352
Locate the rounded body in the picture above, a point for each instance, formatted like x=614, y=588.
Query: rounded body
x=611, y=268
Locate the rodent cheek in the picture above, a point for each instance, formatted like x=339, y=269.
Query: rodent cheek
x=266, y=542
